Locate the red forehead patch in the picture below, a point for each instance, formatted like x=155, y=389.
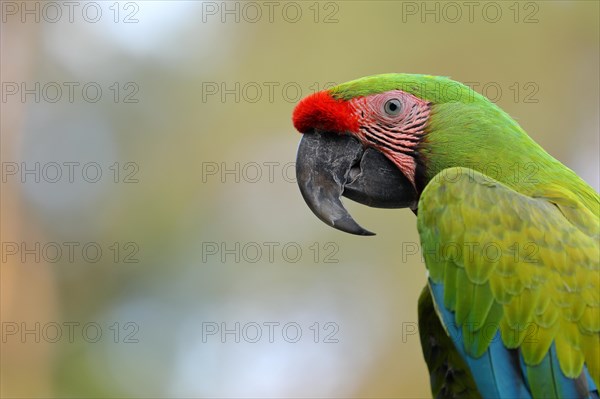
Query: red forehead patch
x=323, y=112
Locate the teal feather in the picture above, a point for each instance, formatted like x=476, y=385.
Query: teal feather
x=496, y=372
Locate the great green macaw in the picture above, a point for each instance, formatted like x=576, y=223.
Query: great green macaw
x=510, y=236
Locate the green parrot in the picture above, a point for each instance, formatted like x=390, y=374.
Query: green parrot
x=509, y=235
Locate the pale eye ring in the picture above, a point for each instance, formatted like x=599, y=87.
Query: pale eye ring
x=392, y=107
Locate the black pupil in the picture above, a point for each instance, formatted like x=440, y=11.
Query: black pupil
x=392, y=106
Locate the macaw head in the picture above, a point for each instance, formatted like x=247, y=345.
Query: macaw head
x=374, y=140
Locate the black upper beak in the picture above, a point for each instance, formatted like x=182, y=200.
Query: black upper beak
x=330, y=165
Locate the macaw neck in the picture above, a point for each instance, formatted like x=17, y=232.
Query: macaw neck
x=489, y=141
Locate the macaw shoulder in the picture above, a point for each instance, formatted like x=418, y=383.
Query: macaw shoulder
x=508, y=260
x=459, y=184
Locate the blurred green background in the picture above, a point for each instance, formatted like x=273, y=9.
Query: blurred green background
x=129, y=283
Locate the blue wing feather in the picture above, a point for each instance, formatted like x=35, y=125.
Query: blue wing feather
x=494, y=372
x=502, y=373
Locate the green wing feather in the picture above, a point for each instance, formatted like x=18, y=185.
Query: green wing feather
x=528, y=265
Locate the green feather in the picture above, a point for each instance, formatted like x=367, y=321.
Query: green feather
x=535, y=311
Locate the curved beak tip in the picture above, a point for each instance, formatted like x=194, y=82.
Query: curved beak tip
x=350, y=226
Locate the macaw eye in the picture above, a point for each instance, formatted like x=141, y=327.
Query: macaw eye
x=392, y=107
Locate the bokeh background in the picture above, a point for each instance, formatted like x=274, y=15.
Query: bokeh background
x=180, y=171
